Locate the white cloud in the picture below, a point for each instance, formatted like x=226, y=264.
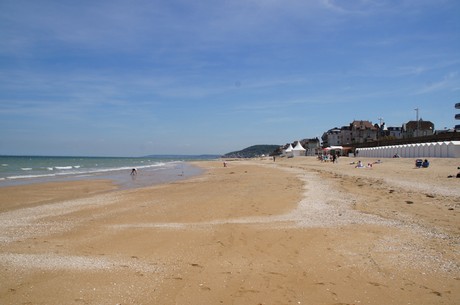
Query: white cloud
x=449, y=82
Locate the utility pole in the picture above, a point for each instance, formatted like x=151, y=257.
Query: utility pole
x=418, y=122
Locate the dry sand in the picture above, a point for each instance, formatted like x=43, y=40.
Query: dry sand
x=294, y=231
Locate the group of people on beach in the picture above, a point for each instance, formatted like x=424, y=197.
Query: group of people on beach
x=369, y=165
x=422, y=163
x=334, y=158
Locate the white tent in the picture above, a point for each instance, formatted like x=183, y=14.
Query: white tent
x=288, y=152
x=298, y=150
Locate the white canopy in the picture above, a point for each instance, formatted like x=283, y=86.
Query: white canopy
x=288, y=151
x=298, y=150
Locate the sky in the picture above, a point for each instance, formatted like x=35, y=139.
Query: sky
x=142, y=77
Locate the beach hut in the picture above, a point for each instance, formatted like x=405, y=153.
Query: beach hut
x=453, y=149
x=373, y=152
x=405, y=151
x=394, y=150
x=418, y=150
x=426, y=150
x=376, y=152
x=412, y=150
x=443, y=149
x=437, y=149
x=431, y=149
x=409, y=151
x=369, y=152
x=298, y=150
x=388, y=150
x=421, y=150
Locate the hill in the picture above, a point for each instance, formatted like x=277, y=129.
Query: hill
x=252, y=151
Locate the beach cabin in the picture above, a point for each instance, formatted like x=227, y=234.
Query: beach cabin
x=395, y=150
x=411, y=148
x=447, y=149
x=426, y=149
x=418, y=150
x=453, y=149
x=443, y=149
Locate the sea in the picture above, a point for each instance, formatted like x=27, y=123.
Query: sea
x=151, y=170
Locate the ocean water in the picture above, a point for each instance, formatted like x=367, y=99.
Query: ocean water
x=18, y=170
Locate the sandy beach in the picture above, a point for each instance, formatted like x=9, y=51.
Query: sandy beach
x=294, y=231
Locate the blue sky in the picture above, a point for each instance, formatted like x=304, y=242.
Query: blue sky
x=132, y=78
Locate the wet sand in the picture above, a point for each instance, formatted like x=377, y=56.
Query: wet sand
x=294, y=231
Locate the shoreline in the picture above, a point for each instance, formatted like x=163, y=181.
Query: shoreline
x=47, y=191
x=25, y=171
x=254, y=232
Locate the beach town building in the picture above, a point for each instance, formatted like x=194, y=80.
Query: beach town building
x=312, y=146
x=395, y=132
x=332, y=137
x=345, y=135
x=363, y=132
x=356, y=132
x=418, y=128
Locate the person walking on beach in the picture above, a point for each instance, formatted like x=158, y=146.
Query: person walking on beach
x=133, y=172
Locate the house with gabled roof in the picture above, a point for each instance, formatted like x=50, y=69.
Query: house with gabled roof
x=363, y=131
x=418, y=128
